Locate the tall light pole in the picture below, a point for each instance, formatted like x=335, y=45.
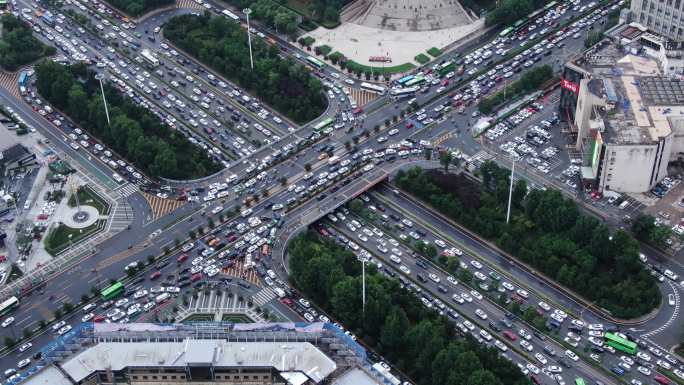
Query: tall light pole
x=247, y=11
x=510, y=195
x=363, y=285
x=99, y=77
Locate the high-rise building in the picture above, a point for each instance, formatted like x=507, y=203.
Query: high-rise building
x=625, y=112
x=665, y=17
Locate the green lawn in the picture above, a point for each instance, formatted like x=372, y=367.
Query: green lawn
x=86, y=196
x=434, y=52
x=199, y=317
x=381, y=70
x=58, y=238
x=237, y=318
x=422, y=58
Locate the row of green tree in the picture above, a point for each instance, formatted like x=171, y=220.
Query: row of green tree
x=509, y=11
x=547, y=232
x=271, y=13
x=645, y=229
x=395, y=323
x=222, y=44
x=18, y=47
x=530, y=81
x=139, y=7
x=134, y=133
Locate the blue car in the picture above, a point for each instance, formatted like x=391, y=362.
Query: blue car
x=617, y=370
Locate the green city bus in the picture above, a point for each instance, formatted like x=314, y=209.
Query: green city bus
x=323, y=124
x=315, y=62
x=113, y=291
x=579, y=381
x=619, y=343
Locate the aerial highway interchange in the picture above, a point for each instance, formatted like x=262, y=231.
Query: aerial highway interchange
x=250, y=206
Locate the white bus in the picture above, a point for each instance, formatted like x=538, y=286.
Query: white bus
x=230, y=15
x=373, y=88
x=149, y=57
x=404, y=92
x=8, y=305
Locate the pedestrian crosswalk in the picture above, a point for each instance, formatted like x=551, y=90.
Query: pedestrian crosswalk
x=238, y=270
x=9, y=81
x=188, y=4
x=442, y=138
x=126, y=190
x=263, y=297
x=160, y=206
x=362, y=97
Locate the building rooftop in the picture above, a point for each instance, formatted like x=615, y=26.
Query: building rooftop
x=300, y=357
x=300, y=352
x=639, y=100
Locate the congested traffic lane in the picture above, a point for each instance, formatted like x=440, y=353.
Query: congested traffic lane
x=519, y=284
x=542, y=357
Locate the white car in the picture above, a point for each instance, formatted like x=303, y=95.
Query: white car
x=25, y=347
x=526, y=345
x=544, y=306
x=571, y=355
x=434, y=278
x=644, y=370
x=481, y=314
x=7, y=322
x=404, y=269
x=476, y=264
x=644, y=356
x=532, y=368
x=64, y=330
x=540, y=357
x=24, y=363
x=87, y=317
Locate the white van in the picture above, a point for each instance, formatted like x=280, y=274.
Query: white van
x=162, y=297
x=280, y=292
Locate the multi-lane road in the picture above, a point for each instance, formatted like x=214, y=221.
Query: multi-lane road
x=246, y=160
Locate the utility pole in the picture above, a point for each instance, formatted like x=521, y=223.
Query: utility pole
x=510, y=195
x=247, y=11
x=363, y=285
x=99, y=77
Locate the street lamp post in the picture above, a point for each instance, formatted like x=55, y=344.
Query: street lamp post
x=99, y=77
x=247, y=11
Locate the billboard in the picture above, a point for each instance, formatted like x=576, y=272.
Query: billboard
x=570, y=86
x=596, y=146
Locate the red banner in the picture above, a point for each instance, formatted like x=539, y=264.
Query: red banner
x=570, y=86
x=380, y=59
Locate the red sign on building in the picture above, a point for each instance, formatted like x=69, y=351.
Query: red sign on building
x=570, y=86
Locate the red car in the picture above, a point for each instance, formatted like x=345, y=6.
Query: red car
x=98, y=318
x=196, y=277
x=409, y=125
x=182, y=258
x=661, y=379
x=155, y=275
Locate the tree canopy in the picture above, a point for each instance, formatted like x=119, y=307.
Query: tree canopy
x=222, y=44
x=530, y=81
x=135, y=133
x=422, y=344
x=510, y=11
x=548, y=232
x=139, y=7
x=274, y=15
x=18, y=47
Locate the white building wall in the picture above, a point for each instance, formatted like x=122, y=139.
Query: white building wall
x=628, y=168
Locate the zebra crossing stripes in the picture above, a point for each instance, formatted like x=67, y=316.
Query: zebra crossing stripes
x=126, y=190
x=9, y=81
x=160, y=206
x=443, y=138
x=362, y=97
x=239, y=271
x=188, y=4
x=264, y=296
